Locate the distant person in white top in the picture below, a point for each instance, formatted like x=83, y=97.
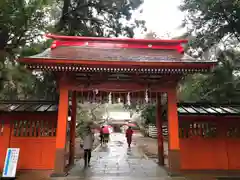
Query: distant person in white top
x=87, y=146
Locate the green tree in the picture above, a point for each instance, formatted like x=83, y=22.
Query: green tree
x=149, y=114
x=43, y=83
x=211, y=21
x=21, y=23
x=99, y=18
x=221, y=85
x=214, y=31
x=23, y=84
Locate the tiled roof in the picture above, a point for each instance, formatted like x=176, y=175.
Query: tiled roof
x=116, y=55
x=208, y=109
x=113, y=54
x=89, y=59
x=28, y=106
x=183, y=108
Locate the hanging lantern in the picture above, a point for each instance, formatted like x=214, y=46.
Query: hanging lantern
x=110, y=98
x=119, y=98
x=146, y=96
x=128, y=99
x=100, y=98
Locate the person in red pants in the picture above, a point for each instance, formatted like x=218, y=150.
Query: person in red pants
x=129, y=133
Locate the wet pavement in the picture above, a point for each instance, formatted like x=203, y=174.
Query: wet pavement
x=115, y=161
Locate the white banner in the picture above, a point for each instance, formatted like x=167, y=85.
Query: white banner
x=11, y=160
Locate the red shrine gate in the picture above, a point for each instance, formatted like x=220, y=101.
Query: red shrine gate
x=129, y=69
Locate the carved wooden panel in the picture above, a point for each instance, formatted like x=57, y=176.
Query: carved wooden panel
x=26, y=128
x=201, y=129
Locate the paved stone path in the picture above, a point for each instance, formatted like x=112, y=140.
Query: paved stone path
x=116, y=162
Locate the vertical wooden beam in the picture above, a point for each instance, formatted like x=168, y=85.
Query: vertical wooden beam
x=59, y=168
x=159, y=131
x=73, y=128
x=7, y=132
x=5, y=139
x=173, y=133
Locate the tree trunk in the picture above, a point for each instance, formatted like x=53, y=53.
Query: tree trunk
x=4, y=36
x=64, y=16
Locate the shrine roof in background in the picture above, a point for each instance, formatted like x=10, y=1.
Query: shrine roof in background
x=94, y=54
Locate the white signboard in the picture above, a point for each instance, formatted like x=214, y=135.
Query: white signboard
x=11, y=160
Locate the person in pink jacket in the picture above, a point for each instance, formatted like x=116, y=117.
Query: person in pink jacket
x=105, y=134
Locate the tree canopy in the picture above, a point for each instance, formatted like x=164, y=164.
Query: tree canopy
x=213, y=26
x=221, y=85
x=211, y=21
x=23, y=23
x=110, y=18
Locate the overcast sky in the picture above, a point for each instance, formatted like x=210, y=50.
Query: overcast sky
x=162, y=17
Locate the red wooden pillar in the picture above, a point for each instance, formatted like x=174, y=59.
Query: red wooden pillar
x=73, y=128
x=173, y=133
x=5, y=139
x=59, y=168
x=159, y=132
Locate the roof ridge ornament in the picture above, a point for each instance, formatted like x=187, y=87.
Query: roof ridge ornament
x=128, y=43
x=54, y=44
x=62, y=37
